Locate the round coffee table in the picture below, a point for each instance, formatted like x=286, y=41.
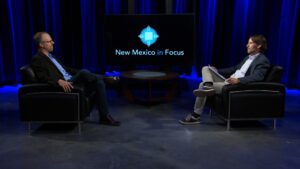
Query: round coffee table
x=149, y=76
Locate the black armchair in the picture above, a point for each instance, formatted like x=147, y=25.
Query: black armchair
x=253, y=101
x=40, y=102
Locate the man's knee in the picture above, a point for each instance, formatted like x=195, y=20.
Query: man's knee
x=205, y=68
x=100, y=82
x=201, y=85
x=87, y=76
x=84, y=72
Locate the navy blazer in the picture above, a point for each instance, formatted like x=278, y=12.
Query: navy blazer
x=46, y=71
x=256, y=71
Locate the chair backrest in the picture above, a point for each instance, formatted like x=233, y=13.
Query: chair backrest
x=274, y=74
x=28, y=75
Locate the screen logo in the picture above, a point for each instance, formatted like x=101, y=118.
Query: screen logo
x=148, y=36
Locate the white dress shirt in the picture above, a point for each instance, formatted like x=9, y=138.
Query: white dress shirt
x=242, y=71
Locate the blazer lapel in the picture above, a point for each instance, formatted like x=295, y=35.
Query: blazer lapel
x=253, y=65
x=51, y=63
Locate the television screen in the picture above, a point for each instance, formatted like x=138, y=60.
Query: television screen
x=149, y=39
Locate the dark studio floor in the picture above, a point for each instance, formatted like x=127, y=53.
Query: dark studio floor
x=150, y=137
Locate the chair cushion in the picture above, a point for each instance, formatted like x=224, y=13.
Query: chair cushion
x=274, y=74
x=28, y=75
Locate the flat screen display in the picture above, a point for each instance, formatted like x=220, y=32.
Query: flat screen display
x=149, y=39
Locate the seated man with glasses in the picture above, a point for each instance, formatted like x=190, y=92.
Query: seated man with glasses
x=50, y=70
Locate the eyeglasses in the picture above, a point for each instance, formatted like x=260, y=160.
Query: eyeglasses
x=47, y=41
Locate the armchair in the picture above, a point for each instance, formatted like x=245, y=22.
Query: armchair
x=253, y=101
x=40, y=102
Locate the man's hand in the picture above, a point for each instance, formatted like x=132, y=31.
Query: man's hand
x=214, y=68
x=67, y=86
x=233, y=80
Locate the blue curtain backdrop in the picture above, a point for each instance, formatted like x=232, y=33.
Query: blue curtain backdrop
x=76, y=26
x=222, y=31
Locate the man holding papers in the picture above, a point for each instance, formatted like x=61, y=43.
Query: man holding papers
x=252, y=69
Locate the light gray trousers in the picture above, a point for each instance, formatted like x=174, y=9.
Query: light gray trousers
x=218, y=83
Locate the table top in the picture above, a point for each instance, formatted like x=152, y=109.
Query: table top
x=149, y=75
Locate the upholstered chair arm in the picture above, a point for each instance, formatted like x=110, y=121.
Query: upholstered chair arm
x=254, y=86
x=42, y=87
x=253, y=98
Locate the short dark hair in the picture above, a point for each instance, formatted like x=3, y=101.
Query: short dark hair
x=38, y=38
x=260, y=40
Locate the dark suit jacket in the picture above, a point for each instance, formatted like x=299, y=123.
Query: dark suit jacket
x=46, y=71
x=256, y=71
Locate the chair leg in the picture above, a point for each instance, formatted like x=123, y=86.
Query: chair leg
x=229, y=112
x=91, y=116
x=79, y=128
x=228, y=124
x=210, y=113
x=29, y=128
x=274, y=124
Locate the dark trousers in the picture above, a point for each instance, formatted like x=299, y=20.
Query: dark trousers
x=93, y=82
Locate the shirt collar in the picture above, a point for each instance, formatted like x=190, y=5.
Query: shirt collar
x=254, y=56
x=45, y=54
x=50, y=56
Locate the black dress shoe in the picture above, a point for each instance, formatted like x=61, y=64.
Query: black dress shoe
x=108, y=120
x=111, y=79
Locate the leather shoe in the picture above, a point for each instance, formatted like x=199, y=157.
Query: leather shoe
x=108, y=120
x=111, y=79
x=204, y=92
